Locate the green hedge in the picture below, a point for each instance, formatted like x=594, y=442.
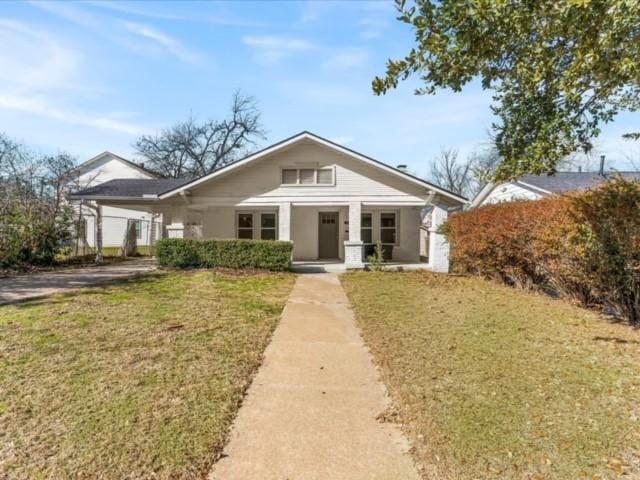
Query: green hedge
x=264, y=254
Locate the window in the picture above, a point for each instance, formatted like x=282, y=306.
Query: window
x=289, y=177
x=307, y=176
x=388, y=228
x=366, y=228
x=268, y=226
x=325, y=176
x=245, y=226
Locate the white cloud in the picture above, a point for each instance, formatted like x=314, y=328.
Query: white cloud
x=346, y=59
x=40, y=75
x=41, y=106
x=271, y=49
x=167, y=43
x=68, y=12
x=36, y=60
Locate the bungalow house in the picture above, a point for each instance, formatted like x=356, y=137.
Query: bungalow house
x=333, y=203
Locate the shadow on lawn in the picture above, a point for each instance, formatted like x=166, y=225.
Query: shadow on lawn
x=101, y=289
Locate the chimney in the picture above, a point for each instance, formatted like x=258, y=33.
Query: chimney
x=601, y=171
x=402, y=167
x=579, y=168
x=141, y=164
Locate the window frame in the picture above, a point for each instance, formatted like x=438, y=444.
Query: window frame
x=274, y=228
x=238, y=227
x=370, y=228
x=315, y=183
x=395, y=227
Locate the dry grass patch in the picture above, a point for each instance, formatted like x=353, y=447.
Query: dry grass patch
x=494, y=383
x=135, y=380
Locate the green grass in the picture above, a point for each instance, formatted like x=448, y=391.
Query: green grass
x=493, y=383
x=135, y=380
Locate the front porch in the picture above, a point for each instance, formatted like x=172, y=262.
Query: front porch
x=336, y=236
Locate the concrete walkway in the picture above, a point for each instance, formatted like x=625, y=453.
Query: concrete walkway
x=311, y=410
x=33, y=285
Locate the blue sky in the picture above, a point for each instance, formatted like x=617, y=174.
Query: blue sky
x=91, y=76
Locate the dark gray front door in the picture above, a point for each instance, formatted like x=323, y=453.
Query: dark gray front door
x=328, y=235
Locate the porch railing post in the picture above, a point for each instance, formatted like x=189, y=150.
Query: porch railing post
x=284, y=222
x=353, y=246
x=438, y=245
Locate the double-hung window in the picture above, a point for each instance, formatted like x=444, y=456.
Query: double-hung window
x=268, y=226
x=245, y=226
x=388, y=228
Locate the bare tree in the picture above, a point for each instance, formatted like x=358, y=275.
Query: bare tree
x=451, y=173
x=192, y=149
x=34, y=218
x=484, y=164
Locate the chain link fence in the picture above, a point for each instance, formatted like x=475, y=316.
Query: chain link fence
x=121, y=236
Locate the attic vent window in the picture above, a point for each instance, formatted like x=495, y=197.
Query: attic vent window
x=308, y=176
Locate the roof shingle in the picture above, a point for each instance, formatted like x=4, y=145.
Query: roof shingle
x=131, y=187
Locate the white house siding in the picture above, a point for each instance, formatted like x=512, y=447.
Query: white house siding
x=508, y=192
x=262, y=181
x=114, y=220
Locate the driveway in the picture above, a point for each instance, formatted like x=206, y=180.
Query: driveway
x=23, y=287
x=314, y=409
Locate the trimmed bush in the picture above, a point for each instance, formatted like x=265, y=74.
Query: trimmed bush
x=585, y=246
x=263, y=254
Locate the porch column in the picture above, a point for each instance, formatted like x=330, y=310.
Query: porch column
x=284, y=222
x=438, y=245
x=353, y=246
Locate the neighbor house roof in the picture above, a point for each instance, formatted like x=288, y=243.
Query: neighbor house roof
x=130, y=188
x=560, y=182
x=186, y=185
x=568, y=181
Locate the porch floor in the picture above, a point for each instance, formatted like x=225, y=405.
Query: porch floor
x=337, y=266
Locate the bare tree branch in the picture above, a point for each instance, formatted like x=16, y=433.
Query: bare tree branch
x=191, y=149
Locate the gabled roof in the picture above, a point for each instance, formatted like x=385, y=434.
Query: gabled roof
x=305, y=135
x=568, y=181
x=129, y=188
x=560, y=182
x=107, y=153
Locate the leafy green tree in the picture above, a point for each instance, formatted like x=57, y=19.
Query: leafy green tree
x=559, y=69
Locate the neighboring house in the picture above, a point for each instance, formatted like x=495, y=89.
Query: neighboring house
x=333, y=203
x=115, y=220
x=534, y=187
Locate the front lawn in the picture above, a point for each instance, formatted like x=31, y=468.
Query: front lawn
x=136, y=380
x=494, y=383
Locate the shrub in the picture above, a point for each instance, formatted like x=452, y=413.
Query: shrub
x=611, y=219
x=585, y=246
x=32, y=236
x=263, y=254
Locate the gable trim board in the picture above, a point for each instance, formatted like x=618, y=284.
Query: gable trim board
x=490, y=187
